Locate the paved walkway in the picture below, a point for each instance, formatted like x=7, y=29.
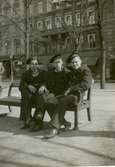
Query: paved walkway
x=92, y=145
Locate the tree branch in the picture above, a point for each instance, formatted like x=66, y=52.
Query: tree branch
x=12, y=21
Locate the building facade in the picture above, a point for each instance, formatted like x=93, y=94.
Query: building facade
x=61, y=24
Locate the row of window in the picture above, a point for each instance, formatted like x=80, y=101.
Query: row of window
x=91, y=39
x=57, y=4
x=6, y=45
x=62, y=45
x=37, y=7
x=65, y=21
x=50, y=5
x=7, y=9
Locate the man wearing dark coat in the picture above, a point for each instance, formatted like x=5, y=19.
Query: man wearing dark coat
x=80, y=80
x=30, y=83
x=56, y=84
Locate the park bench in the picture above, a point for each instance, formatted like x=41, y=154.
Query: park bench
x=84, y=103
x=11, y=100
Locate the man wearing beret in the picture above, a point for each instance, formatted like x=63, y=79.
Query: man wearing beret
x=80, y=80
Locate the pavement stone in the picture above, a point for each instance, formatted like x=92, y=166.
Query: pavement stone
x=92, y=145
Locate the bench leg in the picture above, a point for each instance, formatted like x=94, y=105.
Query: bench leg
x=89, y=114
x=9, y=108
x=3, y=115
x=76, y=119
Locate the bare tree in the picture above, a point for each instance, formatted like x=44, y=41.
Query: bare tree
x=78, y=35
x=100, y=6
x=27, y=4
x=74, y=35
x=22, y=23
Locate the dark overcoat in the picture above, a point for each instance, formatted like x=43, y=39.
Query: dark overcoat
x=80, y=80
x=57, y=82
x=28, y=98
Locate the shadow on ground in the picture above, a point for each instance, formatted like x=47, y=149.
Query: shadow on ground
x=13, y=125
x=74, y=133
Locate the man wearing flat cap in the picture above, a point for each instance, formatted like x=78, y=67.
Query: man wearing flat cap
x=80, y=80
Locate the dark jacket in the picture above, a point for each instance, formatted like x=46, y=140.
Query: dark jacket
x=57, y=82
x=80, y=80
x=28, y=79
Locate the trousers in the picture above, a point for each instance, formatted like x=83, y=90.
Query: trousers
x=28, y=99
x=64, y=103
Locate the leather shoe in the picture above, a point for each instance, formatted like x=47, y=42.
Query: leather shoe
x=66, y=125
x=35, y=128
x=51, y=134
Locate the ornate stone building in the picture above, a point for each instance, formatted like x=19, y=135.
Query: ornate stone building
x=59, y=23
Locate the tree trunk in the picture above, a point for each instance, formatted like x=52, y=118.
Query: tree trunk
x=26, y=32
x=102, y=45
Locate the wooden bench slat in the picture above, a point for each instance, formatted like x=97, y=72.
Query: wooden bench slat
x=15, y=84
x=11, y=101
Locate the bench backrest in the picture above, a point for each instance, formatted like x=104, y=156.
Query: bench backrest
x=14, y=84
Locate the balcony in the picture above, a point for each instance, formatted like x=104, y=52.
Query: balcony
x=70, y=28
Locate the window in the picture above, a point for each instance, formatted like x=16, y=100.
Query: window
x=81, y=40
x=49, y=6
x=39, y=25
x=17, y=45
x=35, y=47
x=77, y=41
x=58, y=21
x=78, y=3
x=78, y=19
x=91, y=40
x=48, y=23
x=40, y=7
x=7, y=47
x=31, y=10
x=91, y=17
x=16, y=7
x=56, y=4
x=31, y=26
x=7, y=10
x=68, y=20
x=67, y=3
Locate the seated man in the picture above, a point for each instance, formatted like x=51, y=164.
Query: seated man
x=56, y=83
x=31, y=81
x=80, y=80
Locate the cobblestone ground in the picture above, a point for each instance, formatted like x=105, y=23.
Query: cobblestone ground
x=92, y=145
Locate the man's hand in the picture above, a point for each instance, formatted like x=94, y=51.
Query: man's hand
x=42, y=90
x=32, y=88
x=67, y=91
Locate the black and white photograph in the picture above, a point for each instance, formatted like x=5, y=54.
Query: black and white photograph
x=57, y=83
